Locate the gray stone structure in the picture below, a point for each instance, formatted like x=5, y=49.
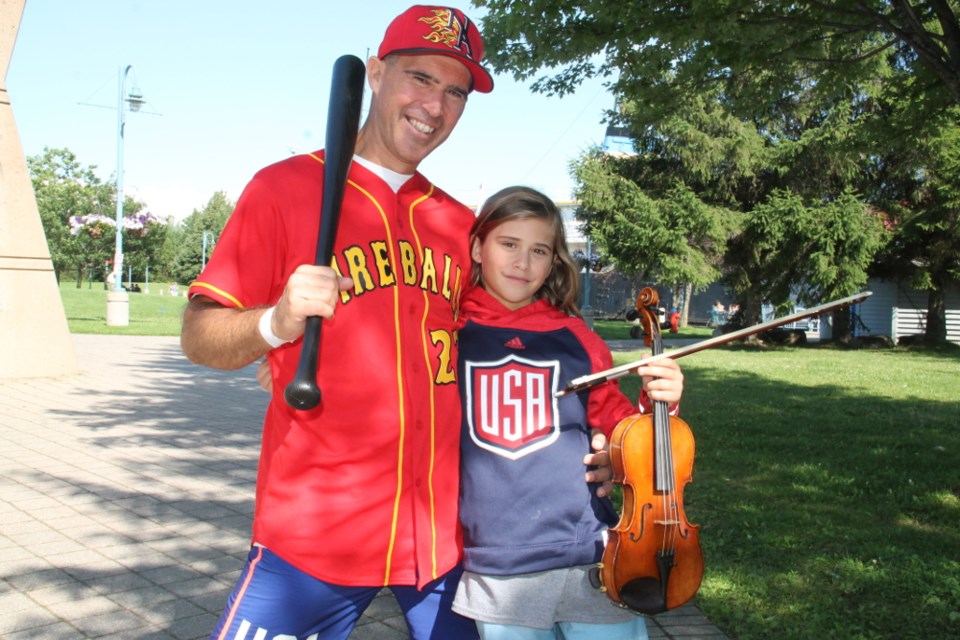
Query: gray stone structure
x=35, y=339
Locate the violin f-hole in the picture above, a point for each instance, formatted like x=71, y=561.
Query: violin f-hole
x=635, y=537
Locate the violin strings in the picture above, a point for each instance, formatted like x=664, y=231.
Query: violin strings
x=664, y=475
x=663, y=449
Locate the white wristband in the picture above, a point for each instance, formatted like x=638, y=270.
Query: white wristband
x=266, y=330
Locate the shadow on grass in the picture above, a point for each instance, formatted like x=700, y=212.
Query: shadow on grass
x=826, y=512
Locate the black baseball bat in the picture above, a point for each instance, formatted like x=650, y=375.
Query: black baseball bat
x=343, y=121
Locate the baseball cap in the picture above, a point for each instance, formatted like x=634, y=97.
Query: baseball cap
x=424, y=30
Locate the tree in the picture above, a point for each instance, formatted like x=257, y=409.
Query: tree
x=774, y=188
x=922, y=207
x=676, y=237
x=756, y=52
x=77, y=211
x=186, y=243
x=841, y=93
x=796, y=251
x=65, y=189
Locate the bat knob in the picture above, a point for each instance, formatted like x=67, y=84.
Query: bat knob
x=302, y=395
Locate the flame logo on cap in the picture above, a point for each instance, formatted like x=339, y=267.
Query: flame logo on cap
x=448, y=29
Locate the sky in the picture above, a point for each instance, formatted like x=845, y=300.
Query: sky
x=234, y=85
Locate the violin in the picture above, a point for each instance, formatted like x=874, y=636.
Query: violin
x=652, y=561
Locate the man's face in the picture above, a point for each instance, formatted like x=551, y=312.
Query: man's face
x=417, y=101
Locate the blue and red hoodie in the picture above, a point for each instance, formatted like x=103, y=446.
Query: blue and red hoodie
x=524, y=504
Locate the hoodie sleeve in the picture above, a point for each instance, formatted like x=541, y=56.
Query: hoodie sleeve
x=607, y=405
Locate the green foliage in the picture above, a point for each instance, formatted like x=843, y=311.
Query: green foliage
x=919, y=197
x=78, y=213
x=721, y=158
x=811, y=251
x=63, y=189
x=756, y=53
x=678, y=237
x=741, y=101
x=185, y=245
x=825, y=486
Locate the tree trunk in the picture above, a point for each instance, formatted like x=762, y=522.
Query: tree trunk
x=936, y=332
x=841, y=326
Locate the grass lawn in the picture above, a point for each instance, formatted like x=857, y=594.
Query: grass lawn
x=827, y=488
x=151, y=314
x=620, y=330
x=826, y=481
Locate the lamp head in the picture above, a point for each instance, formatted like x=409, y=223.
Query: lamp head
x=135, y=99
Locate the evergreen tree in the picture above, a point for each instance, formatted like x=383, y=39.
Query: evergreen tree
x=187, y=242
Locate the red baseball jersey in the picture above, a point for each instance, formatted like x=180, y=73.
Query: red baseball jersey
x=362, y=490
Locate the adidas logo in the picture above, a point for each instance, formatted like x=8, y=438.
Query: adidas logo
x=514, y=344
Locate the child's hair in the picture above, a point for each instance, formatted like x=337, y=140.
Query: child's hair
x=516, y=203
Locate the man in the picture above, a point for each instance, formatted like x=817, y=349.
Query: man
x=361, y=492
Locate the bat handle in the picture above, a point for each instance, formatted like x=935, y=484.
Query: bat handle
x=303, y=393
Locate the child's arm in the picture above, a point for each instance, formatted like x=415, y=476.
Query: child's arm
x=662, y=382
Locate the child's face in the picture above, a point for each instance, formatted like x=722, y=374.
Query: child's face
x=515, y=258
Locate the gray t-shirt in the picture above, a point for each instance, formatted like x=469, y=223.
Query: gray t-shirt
x=537, y=600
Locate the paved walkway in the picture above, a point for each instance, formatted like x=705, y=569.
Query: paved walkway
x=126, y=493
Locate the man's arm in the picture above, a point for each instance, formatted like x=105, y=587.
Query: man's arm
x=223, y=337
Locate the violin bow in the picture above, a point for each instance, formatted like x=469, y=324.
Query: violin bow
x=585, y=382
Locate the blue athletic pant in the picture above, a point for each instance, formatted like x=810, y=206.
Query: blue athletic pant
x=275, y=601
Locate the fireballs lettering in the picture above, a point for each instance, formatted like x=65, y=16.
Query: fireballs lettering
x=376, y=267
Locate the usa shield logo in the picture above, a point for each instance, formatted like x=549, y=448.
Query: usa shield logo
x=511, y=408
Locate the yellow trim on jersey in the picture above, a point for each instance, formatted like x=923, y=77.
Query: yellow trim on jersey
x=219, y=292
x=425, y=341
x=401, y=412
x=400, y=395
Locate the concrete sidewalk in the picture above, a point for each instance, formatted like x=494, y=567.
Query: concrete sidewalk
x=126, y=493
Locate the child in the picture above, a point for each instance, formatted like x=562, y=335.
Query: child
x=533, y=527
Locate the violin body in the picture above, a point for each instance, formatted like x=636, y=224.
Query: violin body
x=652, y=561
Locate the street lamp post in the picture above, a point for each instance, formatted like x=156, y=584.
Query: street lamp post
x=118, y=300
x=203, y=253
x=587, y=311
